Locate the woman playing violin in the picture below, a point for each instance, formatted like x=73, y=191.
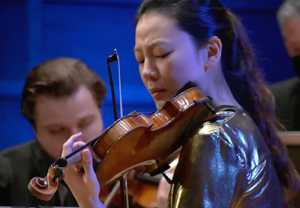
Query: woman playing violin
x=233, y=160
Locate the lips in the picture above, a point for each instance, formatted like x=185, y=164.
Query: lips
x=157, y=92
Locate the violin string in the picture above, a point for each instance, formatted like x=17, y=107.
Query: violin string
x=112, y=193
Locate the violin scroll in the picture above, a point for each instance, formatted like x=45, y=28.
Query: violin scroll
x=45, y=188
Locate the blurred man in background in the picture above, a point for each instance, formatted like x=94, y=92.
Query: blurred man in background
x=287, y=93
x=61, y=97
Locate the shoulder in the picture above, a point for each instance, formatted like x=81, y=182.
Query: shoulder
x=234, y=144
x=19, y=162
x=4, y=164
x=5, y=172
x=286, y=87
x=20, y=151
x=20, y=157
x=236, y=132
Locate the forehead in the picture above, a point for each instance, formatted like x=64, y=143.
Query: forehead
x=63, y=110
x=153, y=25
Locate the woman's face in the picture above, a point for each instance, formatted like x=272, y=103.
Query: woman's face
x=168, y=57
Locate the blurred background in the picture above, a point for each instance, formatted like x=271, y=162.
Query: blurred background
x=32, y=31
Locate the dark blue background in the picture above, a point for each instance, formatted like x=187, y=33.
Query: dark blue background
x=35, y=30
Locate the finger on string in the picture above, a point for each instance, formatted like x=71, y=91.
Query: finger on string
x=79, y=169
x=87, y=160
x=78, y=165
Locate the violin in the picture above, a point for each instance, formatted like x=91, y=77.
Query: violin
x=142, y=193
x=137, y=141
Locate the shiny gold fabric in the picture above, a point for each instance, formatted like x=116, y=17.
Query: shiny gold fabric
x=226, y=163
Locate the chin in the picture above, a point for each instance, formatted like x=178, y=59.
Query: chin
x=159, y=104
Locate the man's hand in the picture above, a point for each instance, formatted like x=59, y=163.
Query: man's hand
x=81, y=177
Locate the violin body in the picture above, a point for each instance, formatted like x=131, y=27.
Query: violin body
x=142, y=193
x=147, y=141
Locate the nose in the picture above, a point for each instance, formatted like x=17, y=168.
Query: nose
x=74, y=130
x=150, y=70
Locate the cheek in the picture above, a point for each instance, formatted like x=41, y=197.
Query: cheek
x=173, y=72
x=94, y=129
x=51, y=144
x=167, y=68
x=142, y=75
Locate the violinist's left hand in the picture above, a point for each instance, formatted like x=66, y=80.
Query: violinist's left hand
x=81, y=177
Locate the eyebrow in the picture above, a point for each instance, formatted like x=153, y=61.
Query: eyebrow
x=152, y=45
x=84, y=118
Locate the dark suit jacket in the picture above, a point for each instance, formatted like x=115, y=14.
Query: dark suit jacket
x=17, y=166
x=287, y=97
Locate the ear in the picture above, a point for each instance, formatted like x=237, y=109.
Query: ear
x=214, y=51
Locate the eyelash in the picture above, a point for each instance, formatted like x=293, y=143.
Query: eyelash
x=164, y=55
x=56, y=131
x=140, y=62
x=160, y=56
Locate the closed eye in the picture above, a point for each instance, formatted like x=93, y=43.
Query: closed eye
x=164, y=55
x=86, y=122
x=139, y=58
x=140, y=61
x=55, y=131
